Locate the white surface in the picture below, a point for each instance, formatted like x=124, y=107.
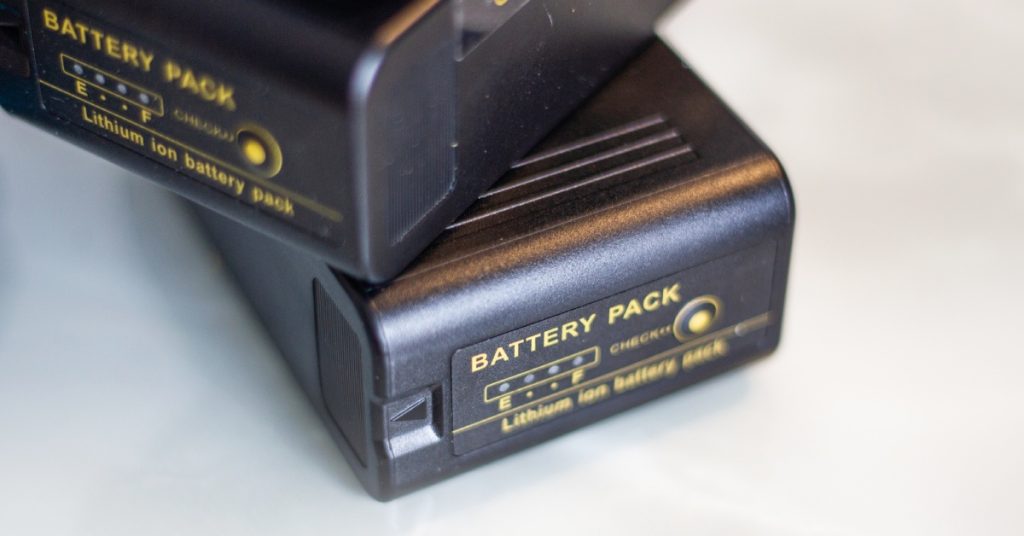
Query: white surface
x=138, y=395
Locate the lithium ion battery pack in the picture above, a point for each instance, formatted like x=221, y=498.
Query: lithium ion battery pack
x=642, y=248
x=356, y=130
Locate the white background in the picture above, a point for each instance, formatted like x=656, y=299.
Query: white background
x=139, y=395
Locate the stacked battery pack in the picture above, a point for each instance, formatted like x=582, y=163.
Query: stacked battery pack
x=642, y=246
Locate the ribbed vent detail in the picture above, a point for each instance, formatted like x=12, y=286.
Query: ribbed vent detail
x=620, y=154
x=341, y=372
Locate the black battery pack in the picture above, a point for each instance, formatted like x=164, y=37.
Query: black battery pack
x=356, y=130
x=643, y=247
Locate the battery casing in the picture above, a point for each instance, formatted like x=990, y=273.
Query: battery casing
x=643, y=247
x=356, y=130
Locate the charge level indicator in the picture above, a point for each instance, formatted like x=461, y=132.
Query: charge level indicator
x=546, y=378
x=110, y=91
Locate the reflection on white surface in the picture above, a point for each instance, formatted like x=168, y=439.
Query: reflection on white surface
x=139, y=395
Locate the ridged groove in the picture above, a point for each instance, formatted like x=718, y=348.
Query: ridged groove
x=620, y=154
x=341, y=372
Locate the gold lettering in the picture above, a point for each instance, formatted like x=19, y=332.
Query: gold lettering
x=533, y=342
x=593, y=395
x=705, y=354
x=147, y=60
x=97, y=38
x=68, y=29
x=224, y=179
x=112, y=47
x=633, y=309
x=163, y=150
x=671, y=295
x=50, y=20
x=588, y=322
x=82, y=30
x=112, y=126
x=107, y=44
x=226, y=98
x=615, y=313
x=645, y=375
x=540, y=413
x=652, y=301
x=130, y=54
x=172, y=71
x=201, y=85
x=550, y=337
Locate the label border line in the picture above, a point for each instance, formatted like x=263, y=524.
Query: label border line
x=757, y=322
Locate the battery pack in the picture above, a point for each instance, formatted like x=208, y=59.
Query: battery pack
x=643, y=247
x=354, y=130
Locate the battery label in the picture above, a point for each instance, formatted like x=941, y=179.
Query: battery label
x=652, y=338
x=221, y=129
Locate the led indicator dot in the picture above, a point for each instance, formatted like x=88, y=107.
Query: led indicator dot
x=254, y=151
x=79, y=70
x=697, y=317
x=504, y=387
x=145, y=98
x=259, y=150
x=122, y=89
x=100, y=79
x=554, y=369
x=578, y=361
x=529, y=378
x=700, y=322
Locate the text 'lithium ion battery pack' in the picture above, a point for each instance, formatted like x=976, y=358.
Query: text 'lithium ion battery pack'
x=354, y=130
x=643, y=247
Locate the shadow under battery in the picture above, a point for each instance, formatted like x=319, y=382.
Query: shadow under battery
x=200, y=293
